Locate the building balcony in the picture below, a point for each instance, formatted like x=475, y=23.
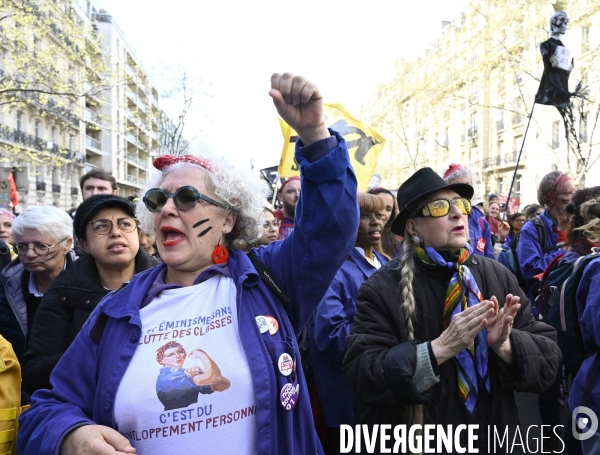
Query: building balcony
x=49, y=106
x=90, y=167
x=132, y=179
x=40, y=186
x=93, y=143
x=74, y=191
x=91, y=116
x=506, y=160
x=8, y=134
x=131, y=138
x=55, y=188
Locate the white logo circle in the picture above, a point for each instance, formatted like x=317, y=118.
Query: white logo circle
x=590, y=421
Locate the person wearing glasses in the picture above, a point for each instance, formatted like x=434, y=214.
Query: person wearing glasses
x=244, y=309
x=43, y=237
x=270, y=227
x=440, y=335
x=554, y=193
x=106, y=227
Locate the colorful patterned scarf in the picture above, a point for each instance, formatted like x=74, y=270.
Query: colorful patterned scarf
x=472, y=362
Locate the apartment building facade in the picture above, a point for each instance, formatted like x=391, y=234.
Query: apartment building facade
x=469, y=98
x=79, y=99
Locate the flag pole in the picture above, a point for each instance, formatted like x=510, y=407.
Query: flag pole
x=517, y=165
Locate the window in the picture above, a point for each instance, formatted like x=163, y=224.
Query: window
x=585, y=39
x=500, y=146
x=500, y=118
x=473, y=129
x=501, y=185
x=555, y=135
x=54, y=135
x=20, y=121
x=517, y=188
x=517, y=143
x=38, y=129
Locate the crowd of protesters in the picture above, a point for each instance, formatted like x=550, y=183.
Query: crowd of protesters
x=171, y=321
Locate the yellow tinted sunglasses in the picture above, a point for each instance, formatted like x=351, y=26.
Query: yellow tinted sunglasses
x=441, y=207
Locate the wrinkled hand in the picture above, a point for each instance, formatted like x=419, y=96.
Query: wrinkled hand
x=500, y=326
x=554, y=61
x=462, y=331
x=95, y=440
x=300, y=104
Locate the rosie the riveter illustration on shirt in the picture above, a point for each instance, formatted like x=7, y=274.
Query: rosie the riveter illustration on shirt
x=189, y=380
x=178, y=387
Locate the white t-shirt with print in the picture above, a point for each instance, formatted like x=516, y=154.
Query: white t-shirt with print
x=171, y=407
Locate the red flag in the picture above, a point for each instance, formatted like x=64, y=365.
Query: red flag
x=14, y=197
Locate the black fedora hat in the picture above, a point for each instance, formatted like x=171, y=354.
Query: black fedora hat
x=420, y=185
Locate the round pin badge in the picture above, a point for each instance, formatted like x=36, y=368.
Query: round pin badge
x=285, y=364
x=273, y=324
x=262, y=323
x=289, y=396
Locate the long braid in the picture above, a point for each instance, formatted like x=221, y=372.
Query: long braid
x=413, y=415
x=407, y=272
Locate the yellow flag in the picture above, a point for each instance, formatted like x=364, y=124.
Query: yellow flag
x=364, y=144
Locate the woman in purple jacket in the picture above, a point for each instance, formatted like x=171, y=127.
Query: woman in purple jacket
x=242, y=310
x=331, y=323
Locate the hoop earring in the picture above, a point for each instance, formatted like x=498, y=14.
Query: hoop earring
x=220, y=255
x=416, y=239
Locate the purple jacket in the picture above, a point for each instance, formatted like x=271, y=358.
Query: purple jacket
x=328, y=328
x=588, y=308
x=533, y=257
x=480, y=234
x=86, y=379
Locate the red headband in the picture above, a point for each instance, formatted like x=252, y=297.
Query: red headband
x=168, y=160
x=562, y=178
x=288, y=180
x=451, y=170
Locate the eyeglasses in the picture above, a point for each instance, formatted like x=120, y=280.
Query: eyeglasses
x=185, y=198
x=520, y=220
x=103, y=227
x=441, y=207
x=274, y=223
x=38, y=248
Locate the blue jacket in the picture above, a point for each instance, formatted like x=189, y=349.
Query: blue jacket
x=479, y=232
x=588, y=307
x=86, y=379
x=532, y=257
x=328, y=328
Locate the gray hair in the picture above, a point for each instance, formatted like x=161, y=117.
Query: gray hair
x=242, y=193
x=47, y=220
x=545, y=186
x=462, y=171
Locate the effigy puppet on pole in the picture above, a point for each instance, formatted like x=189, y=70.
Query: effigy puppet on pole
x=554, y=85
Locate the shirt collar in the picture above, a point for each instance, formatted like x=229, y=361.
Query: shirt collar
x=160, y=285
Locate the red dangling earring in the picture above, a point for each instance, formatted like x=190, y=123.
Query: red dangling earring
x=220, y=255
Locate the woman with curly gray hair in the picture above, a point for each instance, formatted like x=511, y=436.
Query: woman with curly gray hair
x=244, y=309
